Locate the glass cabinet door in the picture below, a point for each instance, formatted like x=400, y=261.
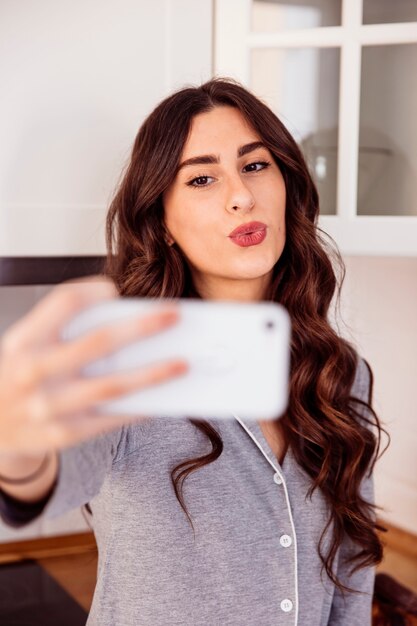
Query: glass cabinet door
x=389, y=11
x=301, y=85
x=276, y=15
x=340, y=74
x=387, y=168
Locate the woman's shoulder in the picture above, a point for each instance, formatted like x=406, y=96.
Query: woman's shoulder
x=362, y=393
x=362, y=384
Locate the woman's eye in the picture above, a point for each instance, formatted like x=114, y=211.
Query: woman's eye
x=200, y=181
x=256, y=167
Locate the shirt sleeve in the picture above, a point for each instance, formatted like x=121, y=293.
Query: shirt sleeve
x=81, y=472
x=355, y=609
x=16, y=513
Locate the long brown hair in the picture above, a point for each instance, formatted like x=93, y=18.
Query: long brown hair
x=327, y=428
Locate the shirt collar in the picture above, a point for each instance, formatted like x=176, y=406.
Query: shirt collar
x=253, y=427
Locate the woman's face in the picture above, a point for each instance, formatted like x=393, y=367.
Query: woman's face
x=226, y=178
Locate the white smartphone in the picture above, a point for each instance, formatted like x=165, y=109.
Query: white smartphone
x=238, y=355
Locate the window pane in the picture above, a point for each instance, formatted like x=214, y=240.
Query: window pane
x=275, y=15
x=387, y=179
x=302, y=88
x=387, y=11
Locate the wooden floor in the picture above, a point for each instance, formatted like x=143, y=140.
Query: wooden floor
x=402, y=567
x=76, y=573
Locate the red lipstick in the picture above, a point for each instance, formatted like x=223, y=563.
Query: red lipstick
x=249, y=234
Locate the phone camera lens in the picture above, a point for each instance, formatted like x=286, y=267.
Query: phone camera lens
x=270, y=324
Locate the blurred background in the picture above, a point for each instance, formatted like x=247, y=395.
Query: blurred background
x=78, y=78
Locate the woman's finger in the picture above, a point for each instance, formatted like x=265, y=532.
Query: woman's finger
x=47, y=405
x=69, y=357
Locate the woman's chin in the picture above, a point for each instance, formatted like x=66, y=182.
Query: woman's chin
x=255, y=267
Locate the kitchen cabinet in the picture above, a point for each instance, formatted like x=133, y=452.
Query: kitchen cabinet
x=341, y=76
x=78, y=79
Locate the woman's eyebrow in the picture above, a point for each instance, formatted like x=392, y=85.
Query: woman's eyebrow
x=206, y=159
x=250, y=147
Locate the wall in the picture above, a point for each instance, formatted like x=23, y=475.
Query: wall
x=379, y=305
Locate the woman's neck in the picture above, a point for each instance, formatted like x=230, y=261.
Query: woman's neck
x=224, y=288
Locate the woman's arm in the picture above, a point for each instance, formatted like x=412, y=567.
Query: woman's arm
x=37, y=475
x=80, y=474
x=47, y=404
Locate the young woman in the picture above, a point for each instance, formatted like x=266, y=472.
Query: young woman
x=204, y=521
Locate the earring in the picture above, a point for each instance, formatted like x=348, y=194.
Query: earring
x=169, y=241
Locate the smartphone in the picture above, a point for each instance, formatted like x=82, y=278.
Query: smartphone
x=238, y=355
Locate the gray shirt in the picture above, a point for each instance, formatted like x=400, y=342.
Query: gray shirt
x=254, y=558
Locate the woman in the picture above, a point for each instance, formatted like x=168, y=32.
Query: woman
x=210, y=521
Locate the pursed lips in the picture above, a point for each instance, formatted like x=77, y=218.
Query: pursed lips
x=247, y=229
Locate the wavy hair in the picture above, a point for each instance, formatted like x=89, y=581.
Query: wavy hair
x=334, y=436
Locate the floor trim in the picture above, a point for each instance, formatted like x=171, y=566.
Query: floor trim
x=399, y=540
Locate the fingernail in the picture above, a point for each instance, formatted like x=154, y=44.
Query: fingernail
x=169, y=316
x=181, y=367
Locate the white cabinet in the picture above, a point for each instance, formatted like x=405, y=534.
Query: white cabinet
x=77, y=80
x=341, y=76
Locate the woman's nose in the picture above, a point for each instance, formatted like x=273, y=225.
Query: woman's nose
x=240, y=197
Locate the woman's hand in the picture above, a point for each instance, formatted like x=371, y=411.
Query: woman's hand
x=44, y=403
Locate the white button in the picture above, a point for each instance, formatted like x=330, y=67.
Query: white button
x=285, y=541
x=277, y=479
x=286, y=605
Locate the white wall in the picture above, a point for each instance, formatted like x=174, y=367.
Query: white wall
x=379, y=304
